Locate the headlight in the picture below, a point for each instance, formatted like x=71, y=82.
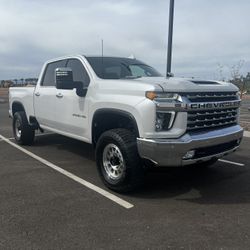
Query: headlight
x=164, y=120
x=162, y=96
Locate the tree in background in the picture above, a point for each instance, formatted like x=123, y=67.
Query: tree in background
x=2, y=84
x=237, y=78
x=220, y=69
x=235, y=71
x=242, y=82
x=6, y=83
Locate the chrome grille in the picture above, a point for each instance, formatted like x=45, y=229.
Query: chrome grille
x=211, y=97
x=211, y=118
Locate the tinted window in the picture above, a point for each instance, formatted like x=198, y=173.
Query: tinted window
x=49, y=77
x=117, y=68
x=141, y=70
x=79, y=72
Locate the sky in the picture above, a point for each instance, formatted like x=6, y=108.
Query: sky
x=206, y=34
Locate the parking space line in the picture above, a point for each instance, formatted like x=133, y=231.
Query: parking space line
x=246, y=133
x=87, y=184
x=232, y=162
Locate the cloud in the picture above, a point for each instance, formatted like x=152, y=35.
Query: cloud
x=205, y=33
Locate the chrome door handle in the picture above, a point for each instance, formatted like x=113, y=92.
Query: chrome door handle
x=59, y=95
x=37, y=94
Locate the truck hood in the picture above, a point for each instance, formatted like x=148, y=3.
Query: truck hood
x=173, y=84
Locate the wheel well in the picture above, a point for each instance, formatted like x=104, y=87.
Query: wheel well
x=107, y=119
x=16, y=107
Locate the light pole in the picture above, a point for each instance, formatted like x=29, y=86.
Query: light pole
x=170, y=38
x=243, y=86
x=247, y=83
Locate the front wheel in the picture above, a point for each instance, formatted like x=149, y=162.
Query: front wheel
x=23, y=132
x=118, y=162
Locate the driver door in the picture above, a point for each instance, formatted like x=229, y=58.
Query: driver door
x=72, y=110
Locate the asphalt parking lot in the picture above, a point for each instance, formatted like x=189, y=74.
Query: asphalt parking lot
x=185, y=208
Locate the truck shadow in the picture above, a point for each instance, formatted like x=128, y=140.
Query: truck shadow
x=66, y=144
x=219, y=184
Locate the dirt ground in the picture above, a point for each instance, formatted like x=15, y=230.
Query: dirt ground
x=4, y=92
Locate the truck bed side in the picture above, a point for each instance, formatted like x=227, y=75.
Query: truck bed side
x=21, y=96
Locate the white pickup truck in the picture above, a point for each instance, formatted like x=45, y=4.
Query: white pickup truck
x=130, y=113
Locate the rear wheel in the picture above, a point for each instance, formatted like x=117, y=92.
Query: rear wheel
x=118, y=162
x=23, y=132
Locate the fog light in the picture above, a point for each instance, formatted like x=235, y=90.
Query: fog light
x=189, y=155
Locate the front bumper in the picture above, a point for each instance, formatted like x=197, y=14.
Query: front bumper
x=170, y=152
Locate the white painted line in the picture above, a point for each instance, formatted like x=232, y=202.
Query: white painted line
x=87, y=184
x=232, y=162
x=246, y=133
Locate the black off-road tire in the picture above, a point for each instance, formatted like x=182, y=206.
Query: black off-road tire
x=132, y=176
x=23, y=132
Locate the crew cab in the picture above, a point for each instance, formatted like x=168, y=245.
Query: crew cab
x=130, y=113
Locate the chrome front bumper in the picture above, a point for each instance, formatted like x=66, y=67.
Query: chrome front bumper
x=170, y=152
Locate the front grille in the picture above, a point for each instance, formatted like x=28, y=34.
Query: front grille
x=209, y=119
x=211, y=97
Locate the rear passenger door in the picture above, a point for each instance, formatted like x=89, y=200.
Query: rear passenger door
x=45, y=96
x=72, y=110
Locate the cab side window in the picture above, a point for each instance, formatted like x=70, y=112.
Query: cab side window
x=49, y=75
x=79, y=72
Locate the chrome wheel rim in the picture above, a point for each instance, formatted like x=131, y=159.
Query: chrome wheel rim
x=18, y=128
x=113, y=162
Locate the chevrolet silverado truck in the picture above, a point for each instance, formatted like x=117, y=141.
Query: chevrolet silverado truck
x=130, y=113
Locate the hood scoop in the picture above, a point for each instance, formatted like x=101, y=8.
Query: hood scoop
x=205, y=82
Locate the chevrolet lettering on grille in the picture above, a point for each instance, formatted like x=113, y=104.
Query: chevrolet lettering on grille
x=214, y=105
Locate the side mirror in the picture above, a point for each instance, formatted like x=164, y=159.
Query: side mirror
x=80, y=89
x=64, y=78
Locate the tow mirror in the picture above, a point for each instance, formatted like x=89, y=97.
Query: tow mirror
x=64, y=78
x=80, y=89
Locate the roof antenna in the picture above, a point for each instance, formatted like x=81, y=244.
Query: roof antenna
x=131, y=56
x=170, y=38
x=102, y=60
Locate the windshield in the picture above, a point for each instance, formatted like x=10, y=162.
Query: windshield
x=120, y=68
